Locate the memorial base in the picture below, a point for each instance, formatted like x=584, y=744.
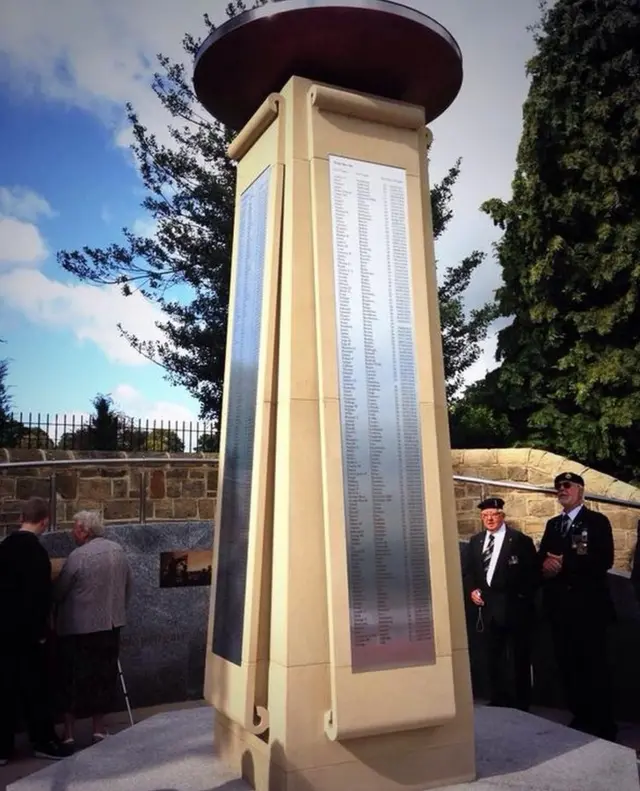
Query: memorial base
x=408, y=761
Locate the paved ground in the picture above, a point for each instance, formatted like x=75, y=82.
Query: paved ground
x=629, y=733
x=25, y=764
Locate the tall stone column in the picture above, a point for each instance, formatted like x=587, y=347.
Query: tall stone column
x=338, y=656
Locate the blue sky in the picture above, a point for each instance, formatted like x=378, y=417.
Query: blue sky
x=67, y=185
x=67, y=179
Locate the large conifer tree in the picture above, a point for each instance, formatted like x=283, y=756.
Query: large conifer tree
x=570, y=254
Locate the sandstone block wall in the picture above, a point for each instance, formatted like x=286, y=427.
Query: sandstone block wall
x=171, y=491
x=174, y=492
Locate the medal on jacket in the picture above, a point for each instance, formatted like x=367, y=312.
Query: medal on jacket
x=579, y=538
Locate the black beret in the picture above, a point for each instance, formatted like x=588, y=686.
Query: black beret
x=492, y=502
x=570, y=477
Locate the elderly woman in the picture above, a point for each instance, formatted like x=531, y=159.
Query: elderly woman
x=91, y=593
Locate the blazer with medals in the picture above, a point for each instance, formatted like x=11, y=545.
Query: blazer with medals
x=587, y=551
x=509, y=600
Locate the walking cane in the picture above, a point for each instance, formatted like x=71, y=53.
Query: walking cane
x=126, y=694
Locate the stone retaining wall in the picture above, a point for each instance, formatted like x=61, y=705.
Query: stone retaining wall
x=174, y=492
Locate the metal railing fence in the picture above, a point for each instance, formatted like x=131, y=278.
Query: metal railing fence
x=44, y=431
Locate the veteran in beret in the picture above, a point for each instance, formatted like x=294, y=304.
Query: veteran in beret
x=501, y=575
x=575, y=554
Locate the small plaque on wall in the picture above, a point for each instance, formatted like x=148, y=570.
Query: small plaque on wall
x=185, y=568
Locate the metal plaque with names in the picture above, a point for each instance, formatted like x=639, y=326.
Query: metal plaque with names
x=389, y=582
x=241, y=396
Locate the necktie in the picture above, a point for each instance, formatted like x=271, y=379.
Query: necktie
x=565, y=524
x=487, y=553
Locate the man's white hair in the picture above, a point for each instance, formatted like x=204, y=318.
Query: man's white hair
x=91, y=521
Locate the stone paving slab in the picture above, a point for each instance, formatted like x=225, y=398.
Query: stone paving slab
x=24, y=763
x=174, y=751
x=522, y=752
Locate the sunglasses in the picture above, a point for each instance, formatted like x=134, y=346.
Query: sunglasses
x=564, y=485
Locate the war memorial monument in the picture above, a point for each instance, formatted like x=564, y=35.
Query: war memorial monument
x=338, y=647
x=337, y=655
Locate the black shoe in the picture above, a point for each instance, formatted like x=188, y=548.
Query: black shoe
x=580, y=725
x=4, y=761
x=609, y=733
x=53, y=750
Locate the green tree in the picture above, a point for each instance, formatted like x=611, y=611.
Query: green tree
x=102, y=431
x=462, y=332
x=474, y=420
x=160, y=439
x=32, y=437
x=569, y=378
x=108, y=429
x=10, y=429
x=5, y=397
x=190, y=196
x=208, y=443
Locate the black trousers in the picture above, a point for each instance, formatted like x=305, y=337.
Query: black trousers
x=88, y=672
x=24, y=690
x=509, y=659
x=581, y=654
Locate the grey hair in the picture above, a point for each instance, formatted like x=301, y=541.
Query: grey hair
x=91, y=521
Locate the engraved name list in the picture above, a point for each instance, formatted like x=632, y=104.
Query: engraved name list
x=387, y=554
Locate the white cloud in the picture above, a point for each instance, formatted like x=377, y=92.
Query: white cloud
x=97, y=56
x=145, y=226
x=92, y=313
x=126, y=394
x=23, y=204
x=20, y=243
x=133, y=403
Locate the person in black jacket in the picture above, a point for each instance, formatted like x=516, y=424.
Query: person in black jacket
x=635, y=568
x=575, y=554
x=500, y=572
x=25, y=609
